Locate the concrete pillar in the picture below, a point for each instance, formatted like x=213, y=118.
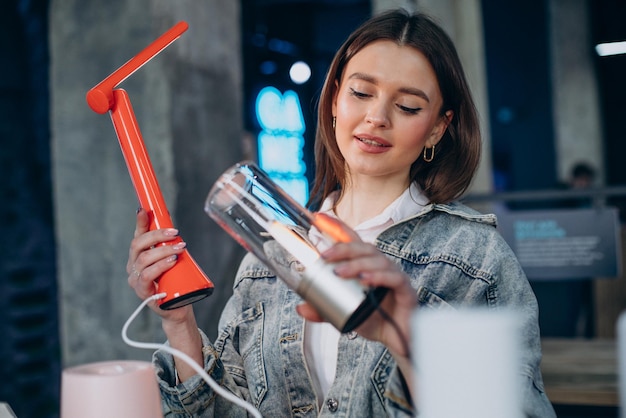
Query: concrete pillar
x=576, y=111
x=188, y=105
x=462, y=20
x=380, y=5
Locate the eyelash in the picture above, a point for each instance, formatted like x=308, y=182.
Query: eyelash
x=358, y=94
x=408, y=110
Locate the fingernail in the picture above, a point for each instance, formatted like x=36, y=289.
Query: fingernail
x=339, y=270
x=138, y=209
x=179, y=246
x=172, y=232
x=171, y=258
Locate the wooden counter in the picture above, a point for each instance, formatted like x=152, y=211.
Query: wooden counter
x=580, y=372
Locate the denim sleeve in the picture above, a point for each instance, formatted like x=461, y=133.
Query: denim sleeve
x=194, y=397
x=513, y=290
x=222, y=360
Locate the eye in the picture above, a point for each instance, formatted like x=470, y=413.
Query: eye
x=358, y=94
x=409, y=110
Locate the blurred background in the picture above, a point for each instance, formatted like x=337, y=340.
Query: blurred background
x=548, y=101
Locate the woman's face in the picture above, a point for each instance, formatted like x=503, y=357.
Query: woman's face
x=387, y=108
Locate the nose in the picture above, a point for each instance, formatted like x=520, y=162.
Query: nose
x=378, y=115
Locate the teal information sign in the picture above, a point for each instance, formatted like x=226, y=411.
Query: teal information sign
x=564, y=244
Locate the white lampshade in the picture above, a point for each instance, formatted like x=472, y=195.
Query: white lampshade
x=468, y=363
x=121, y=389
x=621, y=361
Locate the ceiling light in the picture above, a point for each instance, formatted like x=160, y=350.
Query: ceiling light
x=611, y=48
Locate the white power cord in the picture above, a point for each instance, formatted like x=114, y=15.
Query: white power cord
x=153, y=346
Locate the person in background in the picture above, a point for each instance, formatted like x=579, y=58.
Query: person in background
x=397, y=143
x=583, y=176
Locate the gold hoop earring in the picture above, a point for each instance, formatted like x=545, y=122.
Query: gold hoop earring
x=334, y=122
x=432, y=154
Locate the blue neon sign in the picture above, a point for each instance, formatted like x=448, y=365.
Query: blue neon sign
x=281, y=140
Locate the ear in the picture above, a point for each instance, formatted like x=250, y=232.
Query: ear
x=440, y=128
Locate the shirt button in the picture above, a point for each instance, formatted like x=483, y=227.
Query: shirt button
x=332, y=404
x=298, y=266
x=352, y=335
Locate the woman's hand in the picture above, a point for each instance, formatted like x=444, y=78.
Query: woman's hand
x=147, y=261
x=356, y=259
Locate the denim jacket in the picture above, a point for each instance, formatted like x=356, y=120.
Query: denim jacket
x=454, y=257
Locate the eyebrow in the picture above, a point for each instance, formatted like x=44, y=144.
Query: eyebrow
x=407, y=90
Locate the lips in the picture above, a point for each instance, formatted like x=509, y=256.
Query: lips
x=372, y=145
x=372, y=140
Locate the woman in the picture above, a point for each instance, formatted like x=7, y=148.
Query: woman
x=397, y=141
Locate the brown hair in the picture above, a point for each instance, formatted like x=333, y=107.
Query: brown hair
x=449, y=175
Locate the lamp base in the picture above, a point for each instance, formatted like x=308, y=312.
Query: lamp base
x=186, y=299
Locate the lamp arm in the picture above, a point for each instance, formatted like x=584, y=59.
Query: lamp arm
x=100, y=98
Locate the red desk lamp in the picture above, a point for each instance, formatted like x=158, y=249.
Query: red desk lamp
x=185, y=283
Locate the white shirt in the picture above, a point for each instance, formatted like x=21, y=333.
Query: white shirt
x=321, y=338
